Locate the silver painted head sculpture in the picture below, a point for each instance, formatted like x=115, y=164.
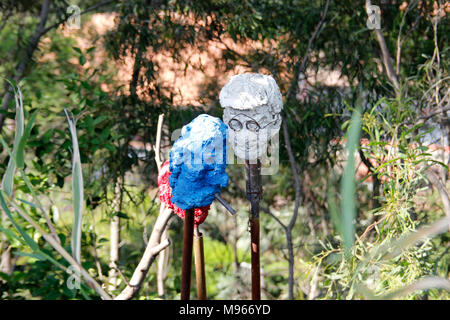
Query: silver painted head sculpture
x=252, y=104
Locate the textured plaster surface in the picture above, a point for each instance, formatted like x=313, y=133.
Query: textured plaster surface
x=248, y=91
x=251, y=97
x=198, y=162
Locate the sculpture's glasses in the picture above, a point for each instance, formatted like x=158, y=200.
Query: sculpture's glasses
x=251, y=125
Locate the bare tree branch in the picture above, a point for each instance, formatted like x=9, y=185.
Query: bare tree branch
x=298, y=70
x=301, y=67
x=387, y=60
x=151, y=251
x=401, y=40
x=21, y=67
x=164, y=254
x=32, y=45
x=114, y=238
x=291, y=224
x=5, y=17
x=437, y=183
x=424, y=118
x=116, y=267
x=157, y=146
x=57, y=246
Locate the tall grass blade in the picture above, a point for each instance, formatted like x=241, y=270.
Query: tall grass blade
x=8, y=178
x=77, y=192
x=348, y=184
x=20, y=156
x=333, y=208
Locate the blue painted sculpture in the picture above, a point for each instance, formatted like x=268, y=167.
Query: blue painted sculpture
x=198, y=162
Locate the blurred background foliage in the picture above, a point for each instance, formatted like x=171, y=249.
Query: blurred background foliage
x=133, y=60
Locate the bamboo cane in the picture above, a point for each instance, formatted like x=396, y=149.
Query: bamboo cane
x=187, y=254
x=200, y=276
x=254, y=194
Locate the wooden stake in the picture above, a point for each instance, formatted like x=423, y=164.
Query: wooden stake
x=254, y=195
x=187, y=254
x=200, y=276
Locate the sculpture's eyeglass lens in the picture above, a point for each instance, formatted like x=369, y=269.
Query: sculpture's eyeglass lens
x=234, y=124
x=252, y=125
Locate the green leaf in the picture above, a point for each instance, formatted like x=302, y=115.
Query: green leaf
x=331, y=199
x=348, y=184
x=99, y=119
x=31, y=243
x=77, y=192
x=20, y=157
x=8, y=178
x=11, y=235
x=121, y=215
x=38, y=256
x=29, y=203
x=82, y=60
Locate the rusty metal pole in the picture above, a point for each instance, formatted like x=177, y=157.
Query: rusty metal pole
x=187, y=254
x=200, y=275
x=254, y=195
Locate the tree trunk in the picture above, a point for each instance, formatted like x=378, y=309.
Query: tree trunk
x=115, y=237
x=33, y=42
x=154, y=246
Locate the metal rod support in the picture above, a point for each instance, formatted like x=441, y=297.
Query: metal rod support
x=256, y=275
x=225, y=204
x=254, y=195
x=187, y=254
